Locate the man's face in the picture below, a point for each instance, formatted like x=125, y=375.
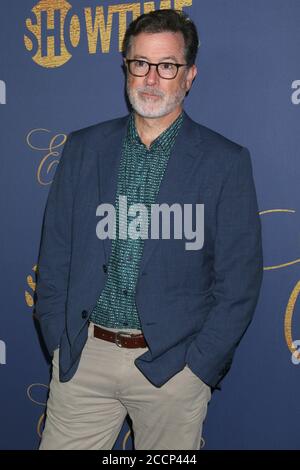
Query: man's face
x=153, y=96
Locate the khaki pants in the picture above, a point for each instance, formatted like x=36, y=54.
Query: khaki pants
x=88, y=411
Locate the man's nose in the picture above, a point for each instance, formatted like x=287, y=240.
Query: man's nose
x=152, y=76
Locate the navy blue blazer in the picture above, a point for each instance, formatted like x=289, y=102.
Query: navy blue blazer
x=194, y=305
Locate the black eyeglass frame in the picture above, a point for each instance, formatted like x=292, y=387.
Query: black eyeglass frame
x=150, y=64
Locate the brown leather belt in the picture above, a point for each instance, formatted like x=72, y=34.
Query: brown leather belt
x=123, y=340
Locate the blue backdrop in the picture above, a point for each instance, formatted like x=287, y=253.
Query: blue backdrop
x=60, y=70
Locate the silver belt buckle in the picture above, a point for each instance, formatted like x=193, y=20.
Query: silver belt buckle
x=117, y=340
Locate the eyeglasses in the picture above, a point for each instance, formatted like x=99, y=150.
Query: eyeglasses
x=141, y=68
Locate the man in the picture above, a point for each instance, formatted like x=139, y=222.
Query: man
x=137, y=325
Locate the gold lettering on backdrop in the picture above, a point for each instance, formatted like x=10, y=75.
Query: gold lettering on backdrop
x=45, y=36
x=180, y=4
x=47, y=163
x=50, y=18
x=150, y=6
x=136, y=11
x=30, y=389
x=40, y=425
x=288, y=320
x=31, y=283
x=288, y=263
x=125, y=439
x=98, y=27
x=293, y=297
x=36, y=387
x=165, y=4
x=75, y=31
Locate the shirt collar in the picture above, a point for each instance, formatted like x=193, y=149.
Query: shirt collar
x=165, y=140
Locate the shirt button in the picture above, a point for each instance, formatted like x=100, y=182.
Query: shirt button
x=84, y=314
x=124, y=291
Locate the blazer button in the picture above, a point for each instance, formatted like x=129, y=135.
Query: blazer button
x=84, y=314
x=104, y=268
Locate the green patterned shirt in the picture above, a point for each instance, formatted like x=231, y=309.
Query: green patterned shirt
x=140, y=174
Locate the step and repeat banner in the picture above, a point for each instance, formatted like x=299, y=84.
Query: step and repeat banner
x=61, y=70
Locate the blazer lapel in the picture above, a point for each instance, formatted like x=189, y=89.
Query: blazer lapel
x=108, y=168
x=175, y=182
x=180, y=167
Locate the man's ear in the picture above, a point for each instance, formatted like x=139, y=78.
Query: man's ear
x=191, y=75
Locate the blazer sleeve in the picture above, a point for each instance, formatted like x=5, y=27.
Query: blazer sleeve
x=55, y=252
x=238, y=270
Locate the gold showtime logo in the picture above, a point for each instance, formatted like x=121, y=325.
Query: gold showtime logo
x=55, y=31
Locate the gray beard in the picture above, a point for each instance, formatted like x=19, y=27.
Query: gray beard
x=157, y=109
